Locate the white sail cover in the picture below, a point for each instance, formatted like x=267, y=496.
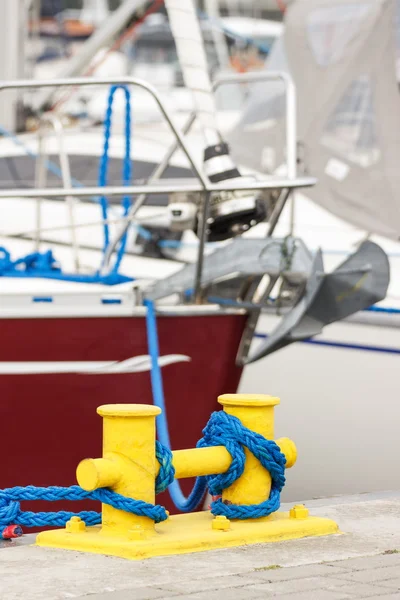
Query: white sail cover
x=342, y=55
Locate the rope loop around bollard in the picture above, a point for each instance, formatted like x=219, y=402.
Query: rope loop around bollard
x=166, y=474
x=227, y=430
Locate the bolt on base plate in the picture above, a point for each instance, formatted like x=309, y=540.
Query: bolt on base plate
x=195, y=532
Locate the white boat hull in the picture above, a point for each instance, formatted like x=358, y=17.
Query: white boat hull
x=340, y=406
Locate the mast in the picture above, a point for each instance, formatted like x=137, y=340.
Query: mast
x=13, y=25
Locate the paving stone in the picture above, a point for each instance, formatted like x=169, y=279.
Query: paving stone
x=211, y=583
x=392, y=583
x=147, y=593
x=292, y=586
x=231, y=594
x=310, y=595
x=360, y=590
x=379, y=574
x=367, y=562
x=380, y=597
x=371, y=526
x=282, y=574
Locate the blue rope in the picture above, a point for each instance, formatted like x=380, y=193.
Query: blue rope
x=383, y=310
x=44, y=265
x=11, y=513
x=166, y=473
x=127, y=167
x=35, y=262
x=181, y=502
x=222, y=429
x=227, y=430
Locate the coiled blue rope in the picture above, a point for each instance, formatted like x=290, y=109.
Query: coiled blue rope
x=43, y=264
x=11, y=513
x=127, y=167
x=31, y=263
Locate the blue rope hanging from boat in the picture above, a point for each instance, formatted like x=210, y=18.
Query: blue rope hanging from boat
x=181, y=502
x=126, y=172
x=221, y=430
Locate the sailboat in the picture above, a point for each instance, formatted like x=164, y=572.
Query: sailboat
x=72, y=342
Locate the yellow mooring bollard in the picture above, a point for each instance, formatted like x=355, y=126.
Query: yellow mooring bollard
x=129, y=467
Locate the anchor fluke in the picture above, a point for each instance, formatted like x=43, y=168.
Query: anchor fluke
x=358, y=283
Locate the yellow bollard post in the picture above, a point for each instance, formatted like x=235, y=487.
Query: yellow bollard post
x=255, y=412
x=129, y=467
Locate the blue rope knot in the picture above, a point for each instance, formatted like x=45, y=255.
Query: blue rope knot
x=227, y=430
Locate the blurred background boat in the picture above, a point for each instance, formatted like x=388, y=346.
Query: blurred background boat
x=334, y=379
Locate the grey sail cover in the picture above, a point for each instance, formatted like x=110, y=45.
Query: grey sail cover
x=342, y=55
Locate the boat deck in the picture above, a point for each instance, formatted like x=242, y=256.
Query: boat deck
x=363, y=562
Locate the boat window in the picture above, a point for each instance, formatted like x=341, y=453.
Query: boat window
x=351, y=130
x=331, y=29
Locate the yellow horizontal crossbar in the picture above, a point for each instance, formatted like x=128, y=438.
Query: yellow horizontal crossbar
x=196, y=462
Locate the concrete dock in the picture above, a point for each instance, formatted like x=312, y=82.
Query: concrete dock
x=362, y=562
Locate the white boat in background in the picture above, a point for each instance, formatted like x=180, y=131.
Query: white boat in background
x=330, y=384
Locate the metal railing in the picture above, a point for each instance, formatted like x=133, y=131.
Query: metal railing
x=202, y=185
x=41, y=178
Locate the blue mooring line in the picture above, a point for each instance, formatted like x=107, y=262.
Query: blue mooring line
x=343, y=345
x=184, y=504
x=383, y=310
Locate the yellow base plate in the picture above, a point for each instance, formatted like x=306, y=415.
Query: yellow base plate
x=182, y=534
